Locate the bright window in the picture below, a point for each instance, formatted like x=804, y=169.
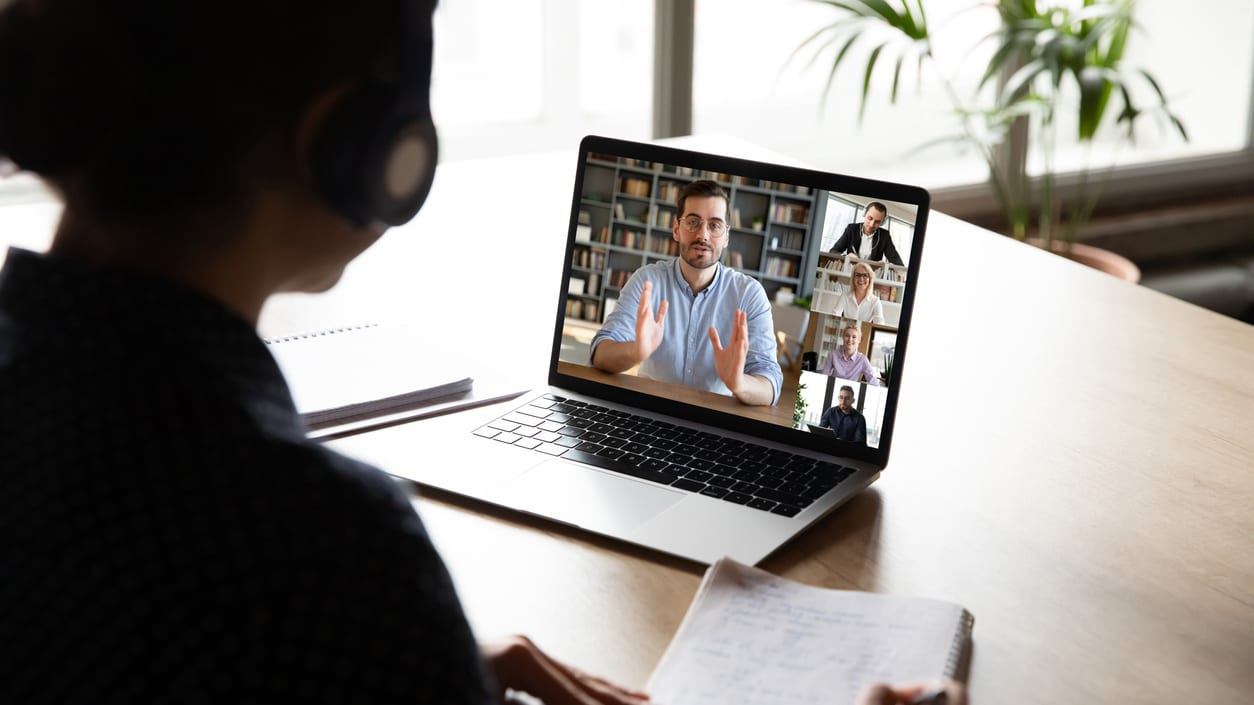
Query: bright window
x=745, y=85
x=536, y=75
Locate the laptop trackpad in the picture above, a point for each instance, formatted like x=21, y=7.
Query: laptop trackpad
x=588, y=498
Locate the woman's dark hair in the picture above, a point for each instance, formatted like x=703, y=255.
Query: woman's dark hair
x=140, y=108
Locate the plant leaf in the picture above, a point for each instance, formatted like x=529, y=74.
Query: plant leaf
x=866, y=80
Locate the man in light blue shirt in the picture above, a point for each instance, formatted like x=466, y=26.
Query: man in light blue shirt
x=701, y=304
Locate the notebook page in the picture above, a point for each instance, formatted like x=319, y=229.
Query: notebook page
x=341, y=373
x=751, y=637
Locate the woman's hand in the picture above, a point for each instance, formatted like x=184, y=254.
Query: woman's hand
x=954, y=693
x=518, y=664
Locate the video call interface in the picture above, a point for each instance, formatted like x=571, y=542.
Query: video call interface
x=831, y=267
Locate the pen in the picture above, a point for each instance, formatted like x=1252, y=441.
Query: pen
x=931, y=696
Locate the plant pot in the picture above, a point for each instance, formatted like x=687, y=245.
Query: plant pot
x=1097, y=258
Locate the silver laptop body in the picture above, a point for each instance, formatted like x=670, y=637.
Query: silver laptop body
x=526, y=454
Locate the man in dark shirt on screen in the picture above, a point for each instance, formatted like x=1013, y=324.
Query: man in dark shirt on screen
x=848, y=423
x=869, y=241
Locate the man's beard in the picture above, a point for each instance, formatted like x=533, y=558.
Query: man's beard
x=694, y=260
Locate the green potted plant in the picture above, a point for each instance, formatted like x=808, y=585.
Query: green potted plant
x=1048, y=56
x=799, y=406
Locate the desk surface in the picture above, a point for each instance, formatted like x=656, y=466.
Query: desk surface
x=1073, y=461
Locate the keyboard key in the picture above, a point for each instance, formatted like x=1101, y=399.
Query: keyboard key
x=522, y=419
x=636, y=447
x=763, y=504
x=503, y=425
x=786, y=510
x=571, y=431
x=506, y=437
x=690, y=485
x=738, y=497
x=633, y=459
x=551, y=449
x=530, y=410
x=713, y=491
x=664, y=478
x=800, y=464
x=486, y=432
x=792, y=487
x=567, y=442
x=783, y=497
x=589, y=448
x=528, y=443
x=698, y=475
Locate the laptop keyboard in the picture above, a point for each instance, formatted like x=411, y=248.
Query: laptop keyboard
x=697, y=461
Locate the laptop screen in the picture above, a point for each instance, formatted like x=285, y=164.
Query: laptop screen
x=776, y=302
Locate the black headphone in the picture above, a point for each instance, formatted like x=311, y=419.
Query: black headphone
x=374, y=158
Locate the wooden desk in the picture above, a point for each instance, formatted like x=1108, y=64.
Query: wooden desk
x=780, y=414
x=1074, y=463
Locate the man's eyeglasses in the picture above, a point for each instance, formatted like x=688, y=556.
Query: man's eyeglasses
x=694, y=223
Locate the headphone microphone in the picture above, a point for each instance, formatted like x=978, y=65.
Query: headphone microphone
x=374, y=160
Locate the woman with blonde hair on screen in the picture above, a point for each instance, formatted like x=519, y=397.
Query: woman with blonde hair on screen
x=859, y=301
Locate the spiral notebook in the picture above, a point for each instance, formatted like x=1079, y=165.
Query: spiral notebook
x=362, y=372
x=752, y=637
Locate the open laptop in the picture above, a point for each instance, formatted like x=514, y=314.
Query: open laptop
x=690, y=471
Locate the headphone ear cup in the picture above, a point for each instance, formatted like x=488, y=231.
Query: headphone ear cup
x=372, y=162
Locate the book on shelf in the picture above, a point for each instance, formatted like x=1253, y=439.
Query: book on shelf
x=354, y=372
x=583, y=229
x=668, y=191
x=792, y=213
x=633, y=186
x=752, y=637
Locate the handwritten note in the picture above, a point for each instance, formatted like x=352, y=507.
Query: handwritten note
x=753, y=638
